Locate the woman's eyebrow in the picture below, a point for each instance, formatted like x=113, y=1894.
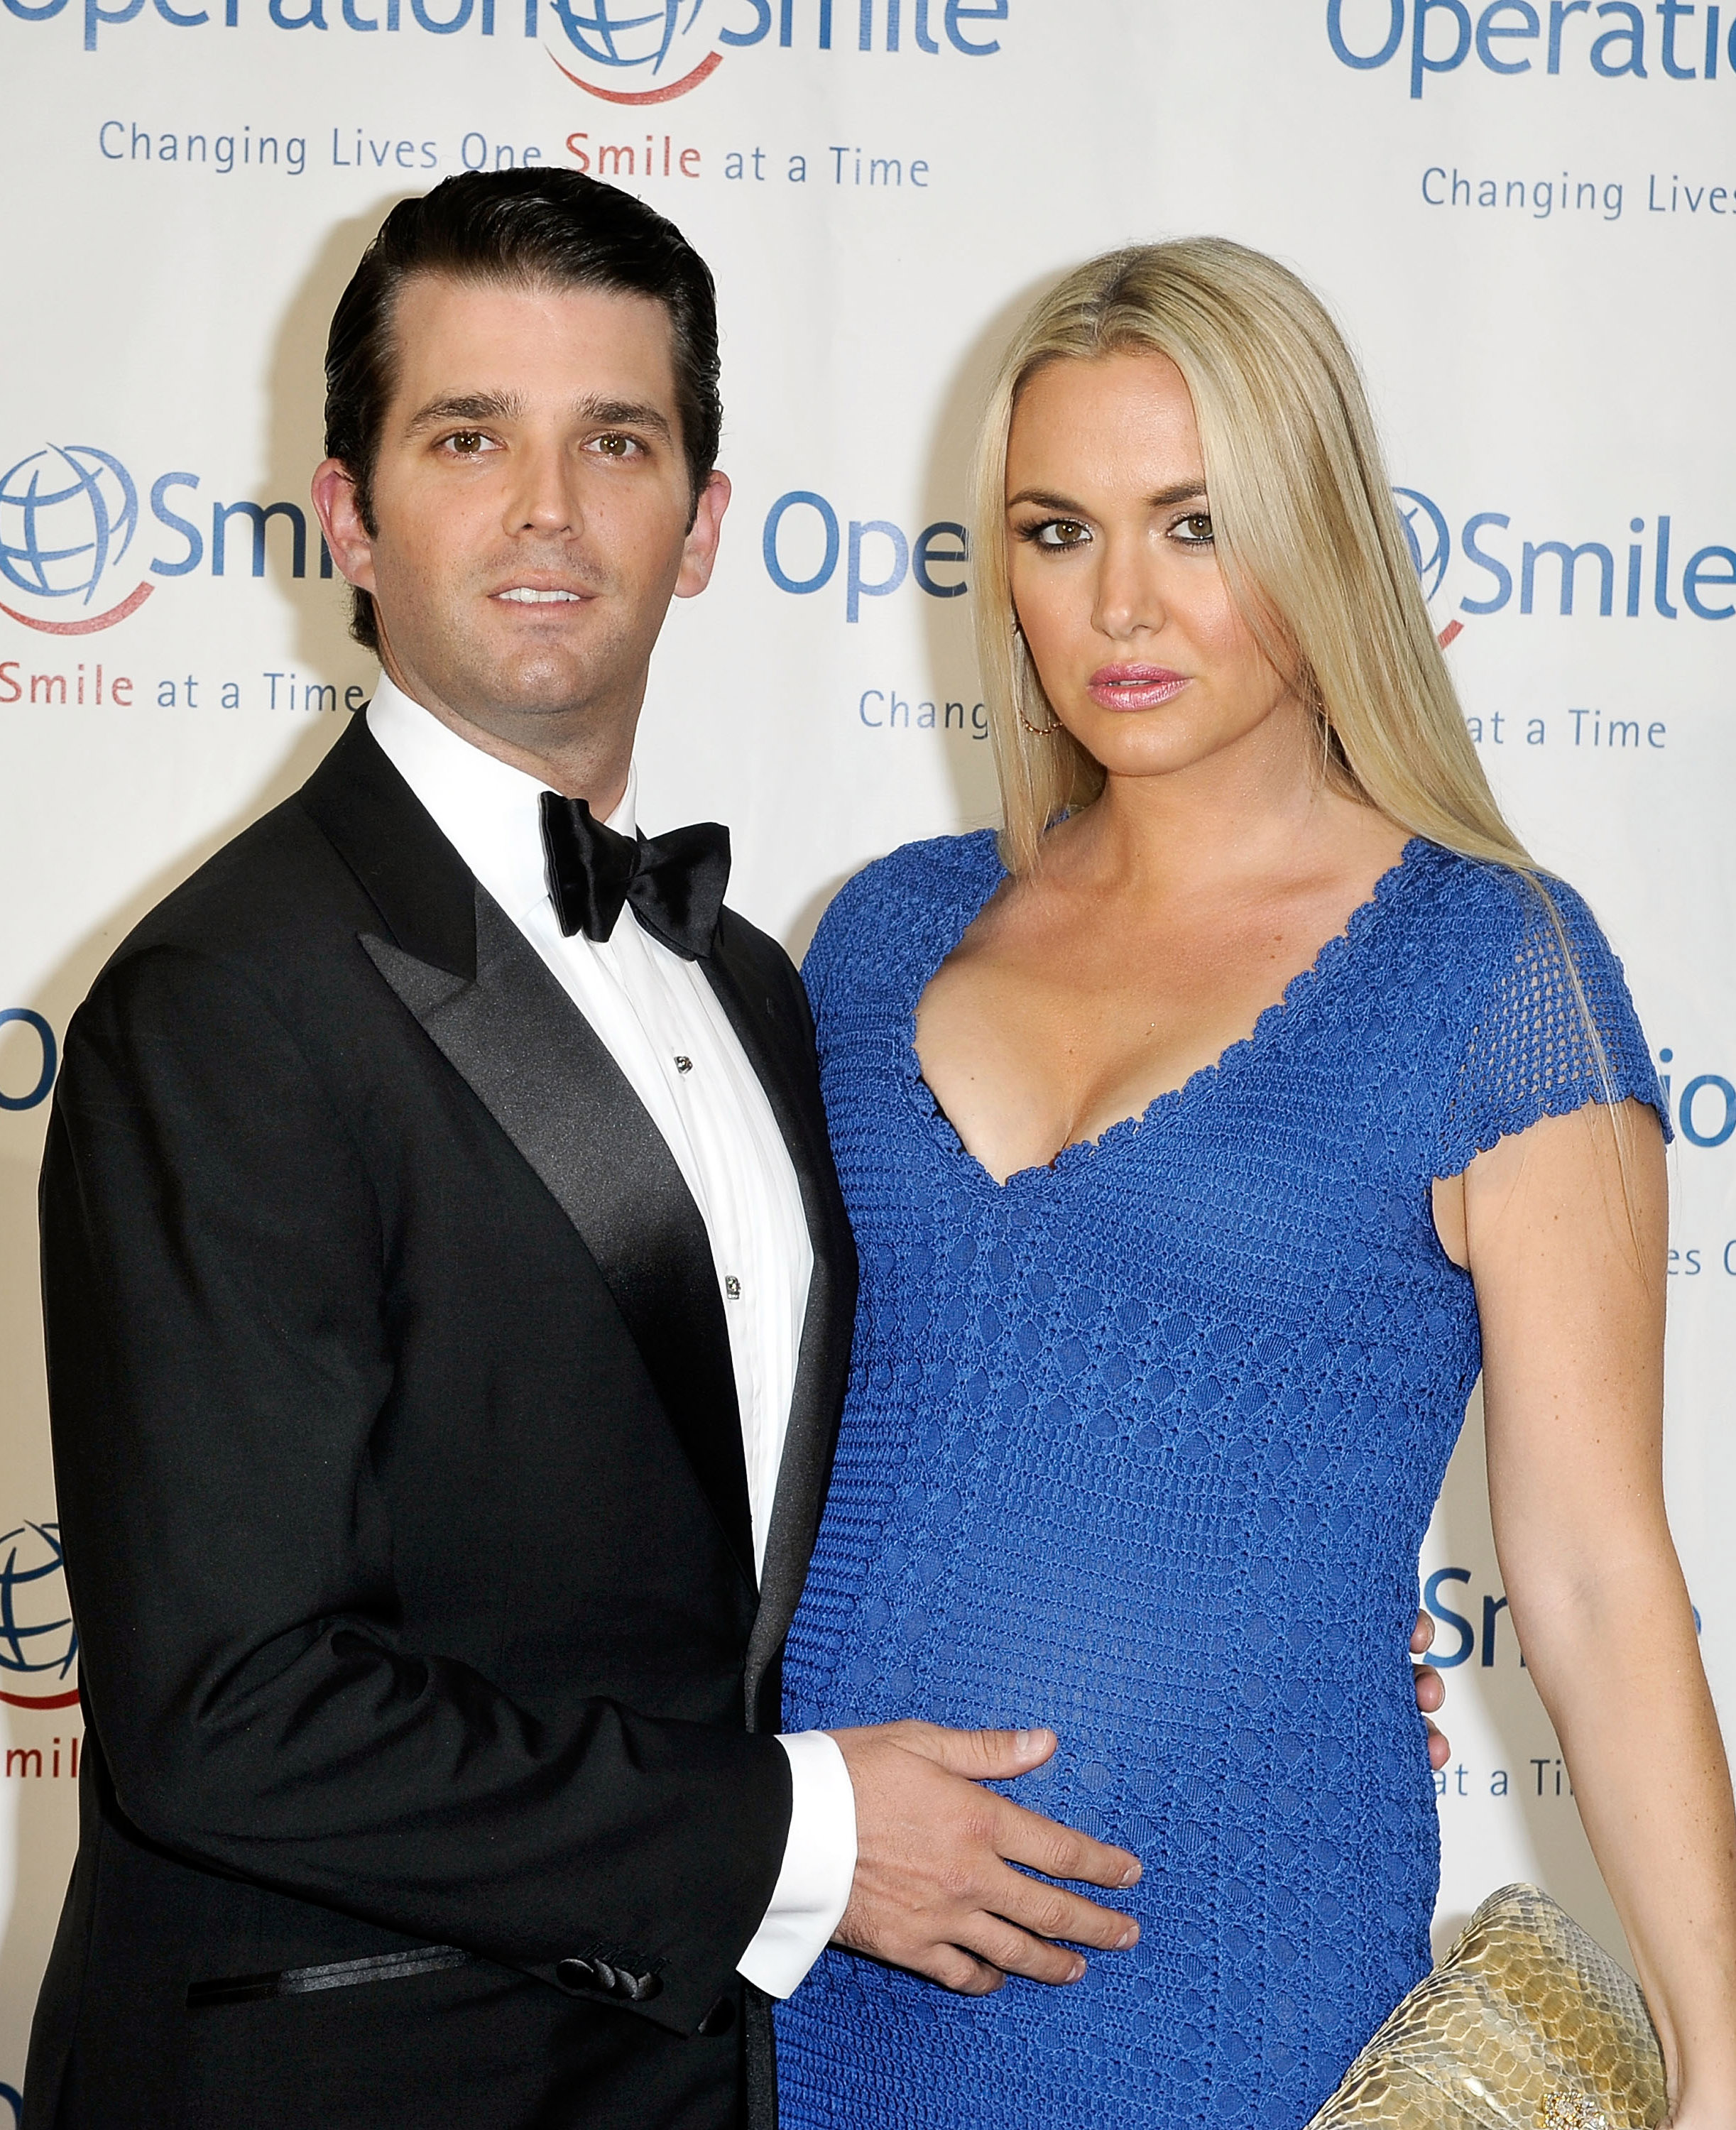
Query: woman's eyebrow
x=1043, y=499
x=1184, y=491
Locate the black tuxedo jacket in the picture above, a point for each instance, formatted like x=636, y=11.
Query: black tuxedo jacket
x=429, y=1777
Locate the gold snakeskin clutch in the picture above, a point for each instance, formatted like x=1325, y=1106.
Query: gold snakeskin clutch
x=1527, y=2024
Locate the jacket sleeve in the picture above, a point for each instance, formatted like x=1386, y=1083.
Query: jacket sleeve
x=218, y=1353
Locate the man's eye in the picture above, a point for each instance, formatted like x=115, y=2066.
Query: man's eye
x=467, y=443
x=613, y=446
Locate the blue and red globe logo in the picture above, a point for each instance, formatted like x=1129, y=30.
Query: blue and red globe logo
x=1426, y=537
x=39, y=1644
x=638, y=52
x=68, y=515
x=1430, y=542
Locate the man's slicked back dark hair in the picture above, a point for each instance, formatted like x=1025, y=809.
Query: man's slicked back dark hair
x=530, y=228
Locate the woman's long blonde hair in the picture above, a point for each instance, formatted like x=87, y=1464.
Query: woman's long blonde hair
x=1307, y=535
x=1309, y=540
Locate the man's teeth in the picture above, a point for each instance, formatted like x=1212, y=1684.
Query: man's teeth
x=523, y=595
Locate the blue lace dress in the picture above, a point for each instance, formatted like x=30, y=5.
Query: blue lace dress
x=1142, y=1446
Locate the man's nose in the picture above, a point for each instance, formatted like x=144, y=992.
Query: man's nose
x=545, y=496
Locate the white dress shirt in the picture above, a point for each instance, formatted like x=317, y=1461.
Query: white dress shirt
x=659, y=1018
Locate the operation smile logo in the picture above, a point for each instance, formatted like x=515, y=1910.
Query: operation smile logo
x=1430, y=549
x=616, y=46
x=1431, y=543
x=1564, y=577
x=652, y=51
x=625, y=51
x=1653, y=572
x=39, y=1643
x=1611, y=41
x=73, y=537
x=68, y=516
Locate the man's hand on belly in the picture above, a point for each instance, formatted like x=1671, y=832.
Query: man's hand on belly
x=934, y=1890
x=1431, y=1692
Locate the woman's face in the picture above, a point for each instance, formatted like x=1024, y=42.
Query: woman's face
x=1114, y=578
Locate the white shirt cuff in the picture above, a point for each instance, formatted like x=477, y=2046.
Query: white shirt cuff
x=813, y=1888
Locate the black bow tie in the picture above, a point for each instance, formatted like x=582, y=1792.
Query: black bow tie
x=676, y=884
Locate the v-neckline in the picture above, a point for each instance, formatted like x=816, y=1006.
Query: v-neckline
x=1281, y=1011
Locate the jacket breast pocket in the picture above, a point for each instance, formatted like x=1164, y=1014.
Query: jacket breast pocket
x=331, y=1974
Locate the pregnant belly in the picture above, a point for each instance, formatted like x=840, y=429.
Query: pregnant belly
x=1144, y=1678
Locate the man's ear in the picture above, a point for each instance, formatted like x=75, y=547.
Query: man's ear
x=340, y=517
x=699, y=553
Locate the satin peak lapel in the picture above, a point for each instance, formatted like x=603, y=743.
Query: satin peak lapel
x=775, y=1049
x=540, y=1070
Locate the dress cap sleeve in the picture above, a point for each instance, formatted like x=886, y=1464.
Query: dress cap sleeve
x=892, y=908
x=1552, y=1027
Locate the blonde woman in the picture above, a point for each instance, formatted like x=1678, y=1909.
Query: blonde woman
x=1204, y=1136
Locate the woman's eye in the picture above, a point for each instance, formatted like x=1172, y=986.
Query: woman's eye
x=1194, y=530
x=1059, y=533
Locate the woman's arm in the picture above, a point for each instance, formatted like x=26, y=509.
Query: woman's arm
x=1569, y=1267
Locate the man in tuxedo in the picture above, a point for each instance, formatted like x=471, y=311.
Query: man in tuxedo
x=448, y=1302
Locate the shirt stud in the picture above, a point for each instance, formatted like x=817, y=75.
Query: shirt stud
x=684, y=1064
x=732, y=1287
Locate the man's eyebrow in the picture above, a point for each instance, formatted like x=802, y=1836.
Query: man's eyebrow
x=626, y=414
x=465, y=406
x=1184, y=491
x=508, y=407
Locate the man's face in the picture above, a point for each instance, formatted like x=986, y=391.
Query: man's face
x=531, y=505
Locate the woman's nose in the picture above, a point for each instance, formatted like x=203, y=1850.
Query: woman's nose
x=1129, y=596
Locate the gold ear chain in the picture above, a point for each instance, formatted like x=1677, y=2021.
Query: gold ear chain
x=1036, y=732
x=1039, y=731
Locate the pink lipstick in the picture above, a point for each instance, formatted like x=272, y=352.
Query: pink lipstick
x=1135, y=687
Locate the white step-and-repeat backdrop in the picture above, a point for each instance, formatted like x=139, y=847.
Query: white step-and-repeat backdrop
x=1524, y=213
